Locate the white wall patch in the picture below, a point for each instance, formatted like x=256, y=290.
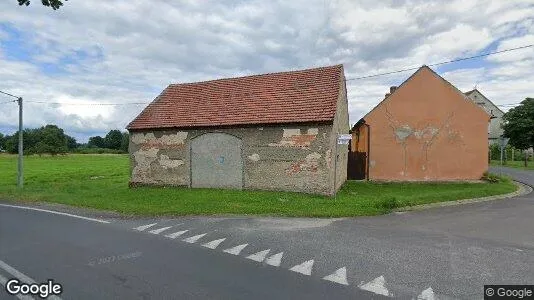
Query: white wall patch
x=260, y=256
x=377, y=286
x=339, y=276
x=235, y=250
x=213, y=244
x=304, y=268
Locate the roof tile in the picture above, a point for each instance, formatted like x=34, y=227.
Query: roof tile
x=296, y=96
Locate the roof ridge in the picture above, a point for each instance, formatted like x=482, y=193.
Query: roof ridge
x=258, y=75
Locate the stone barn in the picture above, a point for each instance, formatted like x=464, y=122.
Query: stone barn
x=424, y=130
x=274, y=131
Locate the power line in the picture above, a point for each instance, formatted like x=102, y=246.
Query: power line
x=441, y=63
x=8, y=94
x=8, y=101
x=100, y=104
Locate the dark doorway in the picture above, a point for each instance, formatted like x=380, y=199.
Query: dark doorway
x=356, y=165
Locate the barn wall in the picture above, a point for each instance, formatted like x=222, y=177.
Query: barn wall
x=340, y=126
x=290, y=158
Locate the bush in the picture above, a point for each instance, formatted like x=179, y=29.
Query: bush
x=491, y=178
x=388, y=203
x=91, y=150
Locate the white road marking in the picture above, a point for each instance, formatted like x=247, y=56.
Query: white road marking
x=260, y=256
x=339, y=276
x=304, y=268
x=427, y=294
x=275, y=260
x=3, y=281
x=176, y=234
x=14, y=272
x=377, y=286
x=214, y=244
x=194, y=239
x=143, y=227
x=56, y=212
x=235, y=250
x=158, y=231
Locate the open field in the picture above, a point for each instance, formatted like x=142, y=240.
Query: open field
x=515, y=164
x=101, y=182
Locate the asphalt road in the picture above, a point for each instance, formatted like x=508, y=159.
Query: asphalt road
x=440, y=253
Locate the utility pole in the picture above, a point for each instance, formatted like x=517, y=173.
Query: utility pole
x=20, y=178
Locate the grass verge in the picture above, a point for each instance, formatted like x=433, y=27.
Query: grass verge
x=514, y=164
x=101, y=182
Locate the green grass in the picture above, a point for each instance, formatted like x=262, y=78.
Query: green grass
x=101, y=182
x=515, y=164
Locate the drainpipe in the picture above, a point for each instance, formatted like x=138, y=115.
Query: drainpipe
x=368, y=148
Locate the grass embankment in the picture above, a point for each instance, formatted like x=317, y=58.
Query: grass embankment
x=514, y=164
x=101, y=182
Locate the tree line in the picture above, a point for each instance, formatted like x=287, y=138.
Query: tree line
x=51, y=139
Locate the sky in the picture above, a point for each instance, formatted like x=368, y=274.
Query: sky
x=128, y=51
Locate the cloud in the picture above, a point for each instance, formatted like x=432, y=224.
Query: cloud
x=123, y=51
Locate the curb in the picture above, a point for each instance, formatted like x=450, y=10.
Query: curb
x=523, y=189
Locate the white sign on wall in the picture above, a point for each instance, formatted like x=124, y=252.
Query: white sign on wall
x=343, y=139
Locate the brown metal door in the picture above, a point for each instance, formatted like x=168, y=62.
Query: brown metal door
x=356, y=165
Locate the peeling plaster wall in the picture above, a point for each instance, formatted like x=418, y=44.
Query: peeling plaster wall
x=340, y=126
x=290, y=158
x=427, y=131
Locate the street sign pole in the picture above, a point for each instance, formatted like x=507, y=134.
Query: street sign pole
x=342, y=139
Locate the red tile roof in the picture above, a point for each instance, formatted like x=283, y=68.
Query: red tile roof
x=287, y=97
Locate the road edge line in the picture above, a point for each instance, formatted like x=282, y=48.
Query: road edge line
x=55, y=212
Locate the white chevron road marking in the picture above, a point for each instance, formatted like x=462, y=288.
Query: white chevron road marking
x=235, y=250
x=213, y=244
x=339, y=276
x=260, y=256
x=427, y=294
x=144, y=227
x=275, y=260
x=160, y=230
x=304, y=268
x=377, y=286
x=194, y=239
x=176, y=234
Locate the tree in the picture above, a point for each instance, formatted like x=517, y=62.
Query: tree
x=71, y=142
x=96, y=142
x=113, y=140
x=519, y=125
x=54, y=4
x=52, y=140
x=125, y=141
x=3, y=139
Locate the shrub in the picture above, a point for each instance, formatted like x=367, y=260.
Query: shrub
x=388, y=204
x=491, y=178
x=91, y=150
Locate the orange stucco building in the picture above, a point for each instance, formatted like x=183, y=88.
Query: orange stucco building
x=424, y=130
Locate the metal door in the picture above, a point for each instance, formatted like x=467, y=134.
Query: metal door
x=216, y=161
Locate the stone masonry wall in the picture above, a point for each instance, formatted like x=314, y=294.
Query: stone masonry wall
x=289, y=158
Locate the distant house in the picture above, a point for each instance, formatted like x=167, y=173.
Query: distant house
x=269, y=132
x=494, y=130
x=424, y=130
